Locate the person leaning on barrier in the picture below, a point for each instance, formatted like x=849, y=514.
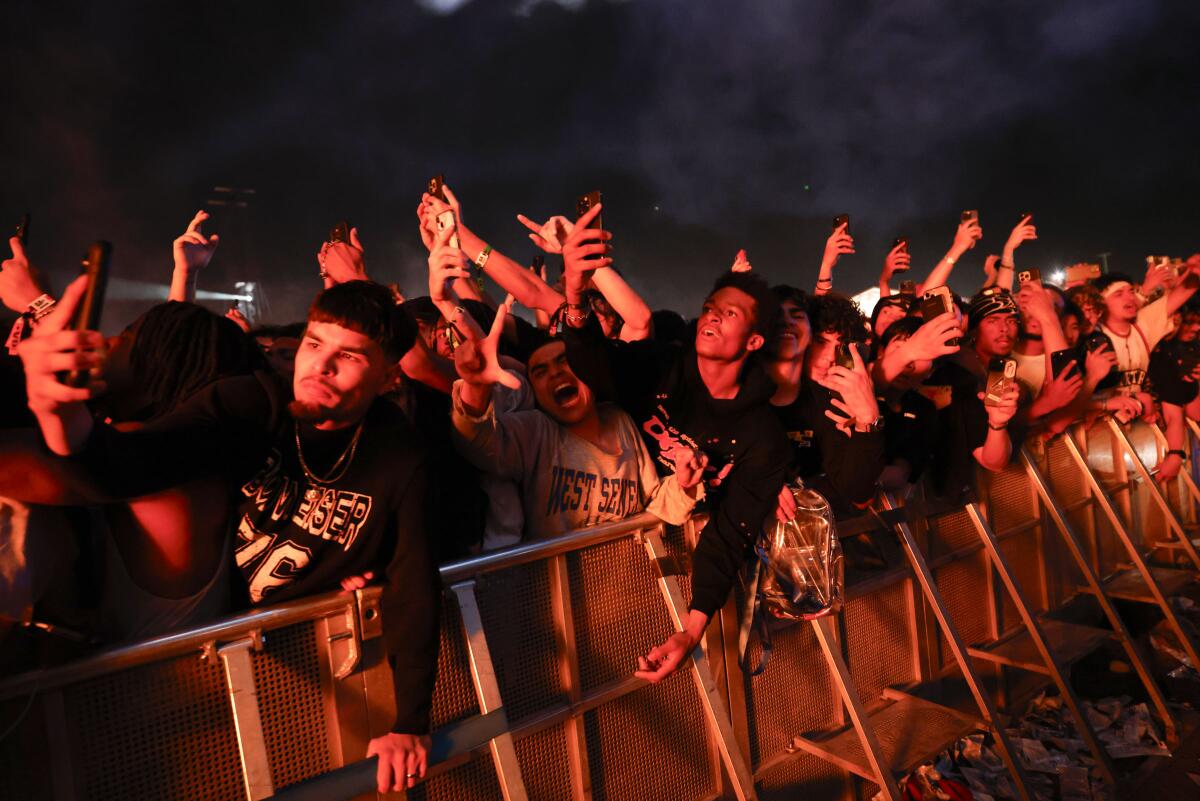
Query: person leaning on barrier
x=712, y=395
x=329, y=479
x=1172, y=378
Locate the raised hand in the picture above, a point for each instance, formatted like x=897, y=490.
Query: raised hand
x=839, y=243
x=1023, y=232
x=342, y=261
x=239, y=319
x=1062, y=388
x=898, y=260
x=550, y=235
x=999, y=415
x=192, y=250
x=966, y=236
x=53, y=349
x=478, y=361
x=989, y=269
x=1099, y=363
x=426, y=225
x=20, y=281
x=446, y=263
x=583, y=243
x=741, y=262
x=857, y=392
x=932, y=339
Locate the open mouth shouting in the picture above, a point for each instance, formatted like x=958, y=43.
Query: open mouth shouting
x=566, y=393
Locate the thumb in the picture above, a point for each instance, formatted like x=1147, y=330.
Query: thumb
x=354, y=239
x=451, y=200
x=64, y=311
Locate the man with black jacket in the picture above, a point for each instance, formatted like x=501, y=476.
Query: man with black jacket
x=329, y=479
x=712, y=396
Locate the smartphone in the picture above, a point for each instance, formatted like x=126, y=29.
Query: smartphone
x=970, y=214
x=902, y=243
x=935, y=303
x=1082, y=272
x=1059, y=360
x=585, y=203
x=1001, y=374
x=22, y=232
x=1095, y=341
x=840, y=220
x=842, y=355
x=87, y=316
x=1025, y=276
x=537, y=263
x=437, y=188
x=340, y=232
x=908, y=288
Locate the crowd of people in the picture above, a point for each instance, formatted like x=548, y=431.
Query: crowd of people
x=204, y=467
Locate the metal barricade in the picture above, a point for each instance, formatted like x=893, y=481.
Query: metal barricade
x=535, y=696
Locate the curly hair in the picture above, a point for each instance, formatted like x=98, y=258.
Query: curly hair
x=837, y=314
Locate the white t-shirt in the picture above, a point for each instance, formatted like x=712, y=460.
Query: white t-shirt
x=1133, y=351
x=1031, y=372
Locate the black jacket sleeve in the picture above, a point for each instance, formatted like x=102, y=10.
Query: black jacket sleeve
x=224, y=429
x=749, y=496
x=411, y=606
x=852, y=464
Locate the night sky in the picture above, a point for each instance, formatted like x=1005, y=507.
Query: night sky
x=708, y=126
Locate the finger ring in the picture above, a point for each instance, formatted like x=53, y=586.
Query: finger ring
x=411, y=775
x=324, y=273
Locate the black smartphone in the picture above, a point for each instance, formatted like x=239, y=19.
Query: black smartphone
x=340, y=232
x=1059, y=360
x=437, y=188
x=1001, y=374
x=585, y=204
x=935, y=303
x=1025, y=276
x=87, y=316
x=842, y=356
x=537, y=263
x=1095, y=341
x=840, y=220
x=902, y=243
x=970, y=214
x=908, y=287
x=22, y=232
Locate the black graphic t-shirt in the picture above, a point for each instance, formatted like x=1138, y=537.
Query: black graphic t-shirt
x=659, y=385
x=295, y=537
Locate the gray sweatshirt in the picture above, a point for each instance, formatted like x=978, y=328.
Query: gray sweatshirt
x=567, y=482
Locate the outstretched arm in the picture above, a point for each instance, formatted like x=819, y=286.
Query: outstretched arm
x=965, y=237
x=192, y=251
x=839, y=243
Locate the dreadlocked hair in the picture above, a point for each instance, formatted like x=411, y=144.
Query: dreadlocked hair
x=179, y=348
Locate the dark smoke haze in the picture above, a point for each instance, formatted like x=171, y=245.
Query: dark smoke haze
x=708, y=126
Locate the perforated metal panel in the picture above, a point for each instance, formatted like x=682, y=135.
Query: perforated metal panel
x=1022, y=554
x=515, y=607
x=544, y=765
x=288, y=680
x=963, y=587
x=1063, y=474
x=474, y=781
x=802, y=776
x=949, y=533
x=1011, y=499
x=161, y=731
x=24, y=746
x=795, y=694
x=453, y=694
x=619, y=612
x=634, y=756
x=880, y=640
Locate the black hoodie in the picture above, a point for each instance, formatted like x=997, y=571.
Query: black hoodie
x=659, y=385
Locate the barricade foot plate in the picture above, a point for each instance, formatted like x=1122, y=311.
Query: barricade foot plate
x=1128, y=585
x=1068, y=641
x=910, y=731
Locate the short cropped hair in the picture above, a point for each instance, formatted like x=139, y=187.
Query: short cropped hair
x=766, y=305
x=370, y=309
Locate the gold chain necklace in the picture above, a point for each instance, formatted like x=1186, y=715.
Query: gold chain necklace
x=336, y=472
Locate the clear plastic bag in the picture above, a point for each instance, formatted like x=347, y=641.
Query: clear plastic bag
x=802, y=571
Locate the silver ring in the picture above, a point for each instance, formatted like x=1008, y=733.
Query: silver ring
x=411, y=775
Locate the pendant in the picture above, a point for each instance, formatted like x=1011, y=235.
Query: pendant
x=312, y=494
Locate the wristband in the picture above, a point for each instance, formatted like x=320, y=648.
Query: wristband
x=482, y=259
x=949, y=260
x=997, y=428
x=1177, y=452
x=40, y=306
x=824, y=280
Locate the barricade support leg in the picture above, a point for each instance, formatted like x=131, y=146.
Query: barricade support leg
x=1067, y=532
x=984, y=701
x=487, y=689
x=1038, y=636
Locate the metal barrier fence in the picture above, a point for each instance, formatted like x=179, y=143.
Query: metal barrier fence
x=535, y=696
